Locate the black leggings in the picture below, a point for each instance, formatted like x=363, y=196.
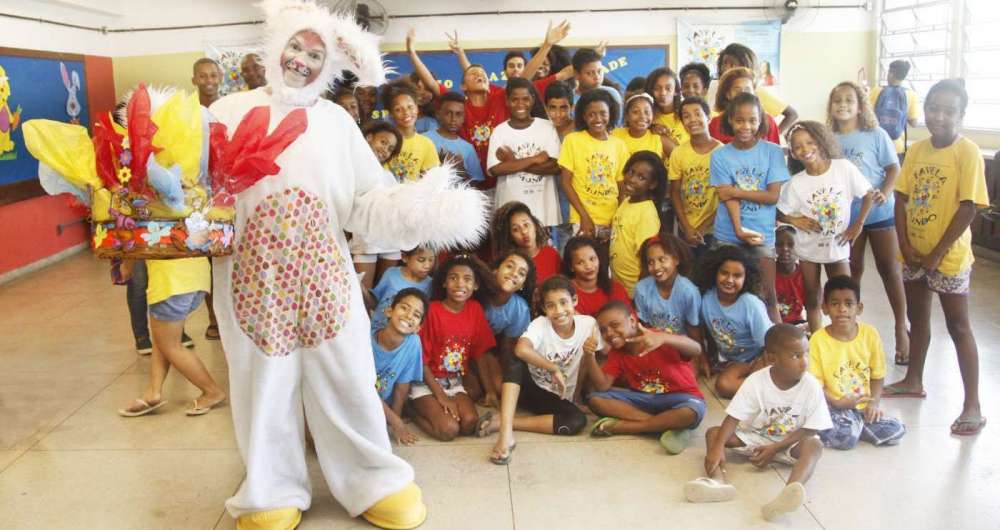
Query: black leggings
x=567, y=419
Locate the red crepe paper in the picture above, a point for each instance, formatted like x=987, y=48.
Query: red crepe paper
x=140, y=137
x=107, y=148
x=240, y=162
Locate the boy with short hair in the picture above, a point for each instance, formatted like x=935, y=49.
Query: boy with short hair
x=589, y=74
x=399, y=357
x=847, y=357
x=559, y=108
x=662, y=394
x=513, y=64
x=775, y=415
x=206, y=77
x=252, y=71
x=450, y=146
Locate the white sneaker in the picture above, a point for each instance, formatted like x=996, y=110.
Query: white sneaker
x=791, y=498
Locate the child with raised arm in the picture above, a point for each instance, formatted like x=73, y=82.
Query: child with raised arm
x=661, y=394
x=748, y=174
x=691, y=191
x=522, y=156
x=817, y=202
x=941, y=185
x=775, y=416
x=847, y=357
x=543, y=376
x=452, y=148
x=399, y=357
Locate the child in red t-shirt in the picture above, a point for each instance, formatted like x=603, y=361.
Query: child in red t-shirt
x=515, y=227
x=454, y=331
x=586, y=263
x=662, y=393
x=788, y=284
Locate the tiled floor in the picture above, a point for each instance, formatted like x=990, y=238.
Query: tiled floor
x=67, y=460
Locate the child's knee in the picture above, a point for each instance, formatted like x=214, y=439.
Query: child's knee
x=467, y=423
x=811, y=445
x=446, y=429
x=598, y=404
x=726, y=385
x=568, y=423
x=840, y=439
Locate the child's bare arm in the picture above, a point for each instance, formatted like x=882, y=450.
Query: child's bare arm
x=765, y=196
x=889, y=184
x=485, y=371
x=678, y=202
x=959, y=223
x=549, y=167
x=854, y=230
x=601, y=381
x=715, y=456
x=553, y=35
x=426, y=76
x=910, y=256
x=566, y=181
x=456, y=48
x=766, y=452
x=399, y=395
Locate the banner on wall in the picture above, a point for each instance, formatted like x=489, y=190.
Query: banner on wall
x=229, y=57
x=621, y=64
x=36, y=88
x=701, y=43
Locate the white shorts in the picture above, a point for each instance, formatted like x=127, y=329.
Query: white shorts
x=450, y=385
x=372, y=258
x=754, y=440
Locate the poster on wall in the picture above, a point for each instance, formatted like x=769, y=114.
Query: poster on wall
x=34, y=87
x=229, y=56
x=701, y=43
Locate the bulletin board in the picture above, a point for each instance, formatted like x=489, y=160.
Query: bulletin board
x=701, y=43
x=36, y=85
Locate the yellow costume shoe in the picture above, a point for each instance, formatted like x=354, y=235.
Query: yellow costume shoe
x=400, y=511
x=280, y=519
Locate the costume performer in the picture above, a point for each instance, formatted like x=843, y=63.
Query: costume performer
x=289, y=304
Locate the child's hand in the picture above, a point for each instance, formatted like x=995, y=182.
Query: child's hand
x=763, y=454
x=647, y=340
x=806, y=224
x=715, y=460
x=750, y=237
x=877, y=196
x=410, y=37
x=558, y=381
x=910, y=256
x=449, y=406
x=849, y=401
x=848, y=236
x=554, y=34
x=125, y=270
x=659, y=129
x=590, y=345
x=453, y=44
x=402, y=435
x=702, y=367
x=931, y=261
x=490, y=400
x=601, y=48
x=587, y=227
x=694, y=237
x=728, y=192
x=873, y=412
x=505, y=154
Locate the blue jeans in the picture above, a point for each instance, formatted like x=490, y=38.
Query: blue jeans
x=135, y=295
x=849, y=428
x=656, y=403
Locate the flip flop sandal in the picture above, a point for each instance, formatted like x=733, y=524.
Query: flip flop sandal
x=197, y=410
x=598, y=429
x=503, y=461
x=482, y=423
x=891, y=392
x=674, y=441
x=145, y=408
x=212, y=332
x=977, y=427
x=705, y=489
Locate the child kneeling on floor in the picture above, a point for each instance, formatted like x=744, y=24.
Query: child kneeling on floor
x=662, y=393
x=399, y=357
x=775, y=415
x=847, y=357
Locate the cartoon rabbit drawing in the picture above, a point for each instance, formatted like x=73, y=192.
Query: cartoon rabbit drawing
x=72, y=82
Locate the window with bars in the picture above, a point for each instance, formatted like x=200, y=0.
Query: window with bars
x=947, y=38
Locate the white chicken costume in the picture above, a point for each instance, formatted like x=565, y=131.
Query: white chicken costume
x=289, y=305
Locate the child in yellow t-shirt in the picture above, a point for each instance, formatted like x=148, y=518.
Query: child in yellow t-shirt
x=939, y=189
x=637, y=218
x=591, y=162
x=636, y=133
x=847, y=357
x=418, y=153
x=663, y=86
x=176, y=288
x=692, y=194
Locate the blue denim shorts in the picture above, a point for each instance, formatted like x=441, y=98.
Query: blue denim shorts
x=177, y=307
x=882, y=225
x=657, y=403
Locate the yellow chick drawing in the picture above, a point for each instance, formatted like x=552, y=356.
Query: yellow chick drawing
x=8, y=120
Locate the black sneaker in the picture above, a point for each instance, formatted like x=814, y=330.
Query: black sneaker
x=186, y=341
x=143, y=346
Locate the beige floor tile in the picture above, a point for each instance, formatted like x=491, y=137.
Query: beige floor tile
x=630, y=484
x=32, y=404
x=98, y=425
x=111, y=490
x=7, y=457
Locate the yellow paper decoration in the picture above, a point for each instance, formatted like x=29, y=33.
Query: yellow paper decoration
x=179, y=134
x=65, y=148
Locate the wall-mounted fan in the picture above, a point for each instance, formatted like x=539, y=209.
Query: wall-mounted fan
x=369, y=14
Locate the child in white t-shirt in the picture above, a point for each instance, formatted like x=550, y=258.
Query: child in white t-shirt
x=817, y=202
x=775, y=416
x=542, y=377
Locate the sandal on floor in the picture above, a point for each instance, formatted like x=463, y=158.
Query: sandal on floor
x=201, y=410
x=971, y=427
x=892, y=391
x=503, y=461
x=705, y=489
x=212, y=332
x=482, y=423
x=674, y=441
x=600, y=425
x=143, y=408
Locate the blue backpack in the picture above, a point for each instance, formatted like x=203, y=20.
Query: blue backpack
x=890, y=109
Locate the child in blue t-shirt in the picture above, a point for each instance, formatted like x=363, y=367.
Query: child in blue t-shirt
x=735, y=317
x=748, y=173
x=399, y=358
x=507, y=311
x=452, y=148
x=415, y=272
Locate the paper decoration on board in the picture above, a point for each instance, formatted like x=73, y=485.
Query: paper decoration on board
x=701, y=43
x=229, y=57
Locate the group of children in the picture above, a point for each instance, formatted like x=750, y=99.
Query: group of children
x=600, y=308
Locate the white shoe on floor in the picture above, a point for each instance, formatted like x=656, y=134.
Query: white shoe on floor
x=705, y=489
x=791, y=498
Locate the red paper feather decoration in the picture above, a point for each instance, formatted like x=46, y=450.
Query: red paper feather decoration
x=246, y=158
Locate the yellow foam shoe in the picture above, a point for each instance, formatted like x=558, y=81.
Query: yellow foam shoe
x=402, y=510
x=280, y=519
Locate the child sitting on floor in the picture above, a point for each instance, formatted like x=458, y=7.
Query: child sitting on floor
x=788, y=286
x=774, y=417
x=662, y=393
x=585, y=263
x=847, y=357
x=415, y=272
x=515, y=227
x=399, y=358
